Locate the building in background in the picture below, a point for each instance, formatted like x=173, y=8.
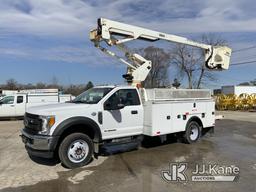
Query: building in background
x=238, y=89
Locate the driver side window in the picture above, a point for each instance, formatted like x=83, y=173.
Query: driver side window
x=127, y=97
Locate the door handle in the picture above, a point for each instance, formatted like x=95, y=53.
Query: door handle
x=134, y=112
x=12, y=105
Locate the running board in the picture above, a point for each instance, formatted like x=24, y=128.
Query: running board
x=120, y=145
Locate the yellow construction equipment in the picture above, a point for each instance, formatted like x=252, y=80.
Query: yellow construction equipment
x=234, y=102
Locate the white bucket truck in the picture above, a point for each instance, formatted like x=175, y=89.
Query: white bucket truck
x=121, y=115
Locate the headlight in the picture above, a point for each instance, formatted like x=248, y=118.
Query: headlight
x=47, y=123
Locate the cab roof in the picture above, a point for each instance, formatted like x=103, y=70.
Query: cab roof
x=114, y=86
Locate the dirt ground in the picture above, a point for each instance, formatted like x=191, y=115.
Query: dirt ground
x=234, y=143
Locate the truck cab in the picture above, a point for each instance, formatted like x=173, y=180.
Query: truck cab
x=100, y=114
x=13, y=105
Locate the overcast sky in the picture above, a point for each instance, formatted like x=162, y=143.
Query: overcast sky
x=40, y=39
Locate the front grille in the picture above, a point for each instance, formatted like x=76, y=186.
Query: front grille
x=33, y=124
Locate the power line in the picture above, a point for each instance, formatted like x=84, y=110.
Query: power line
x=246, y=58
x=244, y=49
x=244, y=63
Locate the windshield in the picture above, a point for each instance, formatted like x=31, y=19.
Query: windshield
x=7, y=100
x=92, y=96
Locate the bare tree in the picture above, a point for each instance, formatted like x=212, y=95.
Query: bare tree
x=158, y=76
x=11, y=84
x=75, y=89
x=27, y=86
x=40, y=85
x=211, y=39
x=89, y=85
x=54, y=82
x=190, y=61
x=186, y=59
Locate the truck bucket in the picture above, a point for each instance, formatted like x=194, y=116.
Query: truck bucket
x=218, y=58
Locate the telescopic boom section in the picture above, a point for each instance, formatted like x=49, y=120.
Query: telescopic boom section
x=216, y=57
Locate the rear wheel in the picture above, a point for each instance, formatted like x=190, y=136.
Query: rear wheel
x=192, y=133
x=76, y=150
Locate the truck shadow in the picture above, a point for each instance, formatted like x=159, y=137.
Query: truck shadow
x=147, y=142
x=45, y=161
x=151, y=142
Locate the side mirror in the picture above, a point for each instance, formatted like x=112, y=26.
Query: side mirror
x=107, y=106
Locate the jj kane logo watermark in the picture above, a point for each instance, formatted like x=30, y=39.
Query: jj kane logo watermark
x=201, y=172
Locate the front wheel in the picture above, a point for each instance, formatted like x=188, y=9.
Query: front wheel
x=192, y=133
x=76, y=150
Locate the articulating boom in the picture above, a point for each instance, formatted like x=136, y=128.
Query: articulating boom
x=216, y=57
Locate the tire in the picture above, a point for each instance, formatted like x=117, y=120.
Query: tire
x=193, y=132
x=76, y=150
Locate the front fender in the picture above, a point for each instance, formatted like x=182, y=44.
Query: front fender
x=87, y=122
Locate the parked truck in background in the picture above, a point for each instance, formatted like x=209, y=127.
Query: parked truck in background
x=107, y=116
x=7, y=92
x=14, y=104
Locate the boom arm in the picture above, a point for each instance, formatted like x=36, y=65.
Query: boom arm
x=216, y=57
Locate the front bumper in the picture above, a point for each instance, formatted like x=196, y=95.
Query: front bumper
x=39, y=145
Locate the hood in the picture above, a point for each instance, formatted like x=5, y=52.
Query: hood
x=52, y=109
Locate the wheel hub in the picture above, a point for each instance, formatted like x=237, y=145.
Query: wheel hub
x=78, y=151
x=194, y=133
